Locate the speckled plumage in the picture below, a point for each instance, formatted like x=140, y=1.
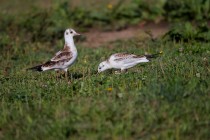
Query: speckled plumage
x=64, y=58
x=123, y=61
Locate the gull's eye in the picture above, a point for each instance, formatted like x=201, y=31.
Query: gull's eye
x=71, y=32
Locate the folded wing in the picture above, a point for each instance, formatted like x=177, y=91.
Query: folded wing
x=58, y=61
x=127, y=58
x=61, y=56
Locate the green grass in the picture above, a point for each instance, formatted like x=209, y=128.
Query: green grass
x=168, y=98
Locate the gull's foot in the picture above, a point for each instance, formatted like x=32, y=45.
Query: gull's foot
x=124, y=71
x=69, y=82
x=117, y=72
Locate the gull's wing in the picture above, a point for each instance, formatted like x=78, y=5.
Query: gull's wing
x=58, y=61
x=51, y=64
x=62, y=56
x=61, y=60
x=65, y=53
x=126, y=57
x=58, y=53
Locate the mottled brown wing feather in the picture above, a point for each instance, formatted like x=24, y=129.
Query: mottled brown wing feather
x=49, y=63
x=124, y=56
x=53, y=63
x=119, y=59
x=61, y=56
x=65, y=49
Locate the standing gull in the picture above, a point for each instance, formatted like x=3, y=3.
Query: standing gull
x=64, y=58
x=124, y=61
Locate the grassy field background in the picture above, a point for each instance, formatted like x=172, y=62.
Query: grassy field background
x=168, y=98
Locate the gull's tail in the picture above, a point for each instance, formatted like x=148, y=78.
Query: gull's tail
x=36, y=68
x=149, y=56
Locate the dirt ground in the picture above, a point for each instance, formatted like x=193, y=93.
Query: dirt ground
x=96, y=38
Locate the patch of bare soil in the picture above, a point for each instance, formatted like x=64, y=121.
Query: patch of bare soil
x=96, y=38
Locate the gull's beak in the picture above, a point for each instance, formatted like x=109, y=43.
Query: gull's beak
x=76, y=34
x=98, y=72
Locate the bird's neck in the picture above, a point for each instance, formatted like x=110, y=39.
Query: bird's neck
x=70, y=43
x=108, y=64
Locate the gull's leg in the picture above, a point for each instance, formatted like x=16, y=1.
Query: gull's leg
x=57, y=73
x=117, y=72
x=123, y=70
x=66, y=74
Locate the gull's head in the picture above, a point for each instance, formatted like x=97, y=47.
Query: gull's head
x=103, y=66
x=69, y=33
